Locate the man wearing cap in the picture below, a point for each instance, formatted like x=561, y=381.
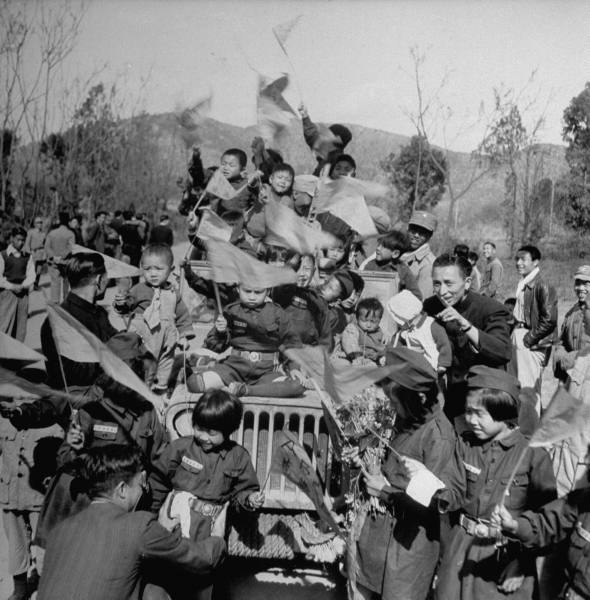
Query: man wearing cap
x=477, y=326
x=420, y=258
x=575, y=331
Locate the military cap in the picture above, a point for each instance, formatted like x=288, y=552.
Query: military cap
x=423, y=219
x=481, y=376
x=583, y=273
x=410, y=369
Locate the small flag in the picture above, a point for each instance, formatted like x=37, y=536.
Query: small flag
x=283, y=30
x=13, y=349
x=344, y=200
x=213, y=227
x=231, y=265
x=285, y=228
x=190, y=118
x=78, y=344
x=274, y=112
x=564, y=417
x=341, y=382
x=220, y=187
x=116, y=269
x=291, y=459
x=13, y=386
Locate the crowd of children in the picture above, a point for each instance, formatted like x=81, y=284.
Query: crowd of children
x=478, y=536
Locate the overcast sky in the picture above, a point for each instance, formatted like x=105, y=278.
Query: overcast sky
x=351, y=58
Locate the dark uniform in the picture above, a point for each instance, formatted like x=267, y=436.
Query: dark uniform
x=472, y=564
x=255, y=335
x=565, y=519
x=492, y=319
x=78, y=374
x=398, y=550
x=308, y=313
x=224, y=474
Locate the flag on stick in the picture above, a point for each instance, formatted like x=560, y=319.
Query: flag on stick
x=282, y=31
x=220, y=187
x=285, y=228
x=341, y=382
x=213, y=227
x=291, y=459
x=116, y=269
x=79, y=344
x=13, y=349
x=274, y=112
x=231, y=265
x=13, y=386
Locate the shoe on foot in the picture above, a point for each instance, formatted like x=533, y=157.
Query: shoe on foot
x=237, y=388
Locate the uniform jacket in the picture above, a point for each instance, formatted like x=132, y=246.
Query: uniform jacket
x=263, y=328
x=308, y=312
x=492, y=277
x=407, y=279
x=35, y=244
x=574, y=336
x=567, y=518
x=59, y=242
x=540, y=313
x=222, y=474
x=107, y=422
x=97, y=554
x=28, y=457
x=420, y=262
x=492, y=320
x=95, y=319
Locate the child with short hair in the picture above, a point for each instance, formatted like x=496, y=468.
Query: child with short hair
x=158, y=314
x=362, y=340
x=342, y=166
x=419, y=332
x=334, y=290
x=256, y=329
x=477, y=561
x=387, y=259
x=211, y=467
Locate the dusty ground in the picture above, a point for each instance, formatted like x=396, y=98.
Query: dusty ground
x=248, y=587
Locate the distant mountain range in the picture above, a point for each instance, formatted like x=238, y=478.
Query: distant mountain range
x=481, y=205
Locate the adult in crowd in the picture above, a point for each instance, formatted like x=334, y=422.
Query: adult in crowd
x=96, y=232
x=76, y=229
x=477, y=326
x=35, y=246
x=17, y=276
x=535, y=320
x=99, y=553
x=162, y=233
x=493, y=271
x=86, y=276
x=58, y=244
x=112, y=242
x=132, y=236
x=420, y=257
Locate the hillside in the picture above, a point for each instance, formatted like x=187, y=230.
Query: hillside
x=479, y=209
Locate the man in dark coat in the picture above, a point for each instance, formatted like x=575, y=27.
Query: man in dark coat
x=162, y=233
x=99, y=552
x=477, y=326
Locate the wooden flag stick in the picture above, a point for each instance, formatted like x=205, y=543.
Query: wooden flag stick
x=217, y=297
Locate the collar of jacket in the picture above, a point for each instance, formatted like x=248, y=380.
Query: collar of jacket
x=531, y=284
x=73, y=298
x=419, y=253
x=222, y=450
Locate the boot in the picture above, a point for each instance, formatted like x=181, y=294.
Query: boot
x=32, y=582
x=20, y=587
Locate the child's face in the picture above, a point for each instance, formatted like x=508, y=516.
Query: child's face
x=350, y=302
x=479, y=420
x=342, y=169
x=382, y=253
x=336, y=253
x=18, y=241
x=331, y=290
x=252, y=297
x=281, y=181
x=230, y=166
x=368, y=321
x=208, y=439
x=305, y=271
x=156, y=269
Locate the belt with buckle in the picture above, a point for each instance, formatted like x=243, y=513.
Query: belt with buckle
x=207, y=509
x=256, y=356
x=481, y=528
x=521, y=325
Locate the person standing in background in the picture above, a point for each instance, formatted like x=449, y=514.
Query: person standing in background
x=162, y=233
x=35, y=246
x=420, y=257
x=493, y=271
x=58, y=244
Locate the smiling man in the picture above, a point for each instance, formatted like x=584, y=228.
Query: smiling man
x=535, y=316
x=477, y=326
